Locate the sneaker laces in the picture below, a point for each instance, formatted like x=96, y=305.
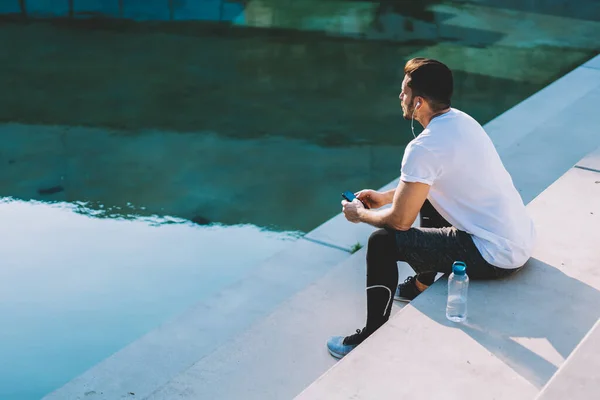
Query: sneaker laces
x=408, y=281
x=356, y=338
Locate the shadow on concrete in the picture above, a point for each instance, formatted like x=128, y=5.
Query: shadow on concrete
x=540, y=302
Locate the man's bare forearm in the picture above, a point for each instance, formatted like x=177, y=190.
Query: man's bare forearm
x=376, y=218
x=389, y=196
x=407, y=200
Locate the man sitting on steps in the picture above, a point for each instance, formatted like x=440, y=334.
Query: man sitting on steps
x=470, y=209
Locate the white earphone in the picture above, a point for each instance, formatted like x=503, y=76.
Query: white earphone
x=412, y=120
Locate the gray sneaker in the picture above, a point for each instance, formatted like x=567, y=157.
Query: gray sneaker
x=408, y=290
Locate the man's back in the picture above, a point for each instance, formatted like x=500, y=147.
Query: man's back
x=470, y=187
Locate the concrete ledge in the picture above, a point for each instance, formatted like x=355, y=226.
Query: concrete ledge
x=579, y=377
x=283, y=353
x=157, y=357
x=520, y=329
x=510, y=127
x=538, y=140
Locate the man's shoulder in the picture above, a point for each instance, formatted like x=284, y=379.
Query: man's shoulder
x=460, y=113
x=422, y=146
x=463, y=118
x=430, y=140
x=459, y=126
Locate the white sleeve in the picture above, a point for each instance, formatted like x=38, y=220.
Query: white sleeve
x=419, y=165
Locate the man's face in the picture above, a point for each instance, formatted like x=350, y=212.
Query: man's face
x=406, y=99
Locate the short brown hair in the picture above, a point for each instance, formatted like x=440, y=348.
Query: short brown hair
x=432, y=80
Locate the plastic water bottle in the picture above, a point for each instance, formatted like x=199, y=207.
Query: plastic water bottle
x=458, y=285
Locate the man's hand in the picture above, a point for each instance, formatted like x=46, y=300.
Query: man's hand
x=352, y=209
x=407, y=200
x=372, y=198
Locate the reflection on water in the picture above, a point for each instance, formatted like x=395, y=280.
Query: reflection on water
x=75, y=289
x=236, y=125
x=326, y=91
x=271, y=182
x=269, y=13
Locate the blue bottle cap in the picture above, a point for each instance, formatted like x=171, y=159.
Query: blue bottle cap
x=459, y=268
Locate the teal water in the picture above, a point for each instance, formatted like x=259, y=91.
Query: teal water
x=136, y=155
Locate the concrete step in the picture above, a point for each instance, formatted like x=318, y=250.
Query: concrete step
x=540, y=139
x=520, y=330
x=154, y=359
x=579, y=377
x=283, y=353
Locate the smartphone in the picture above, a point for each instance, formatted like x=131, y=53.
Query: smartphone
x=348, y=195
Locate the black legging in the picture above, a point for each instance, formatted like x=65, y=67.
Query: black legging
x=382, y=277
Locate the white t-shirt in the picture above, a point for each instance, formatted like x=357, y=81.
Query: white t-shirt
x=470, y=187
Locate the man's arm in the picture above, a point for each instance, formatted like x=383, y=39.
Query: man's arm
x=389, y=196
x=408, y=198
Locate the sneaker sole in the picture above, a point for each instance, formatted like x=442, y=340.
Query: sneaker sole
x=334, y=354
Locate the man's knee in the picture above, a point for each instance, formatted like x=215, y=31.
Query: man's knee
x=382, y=240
